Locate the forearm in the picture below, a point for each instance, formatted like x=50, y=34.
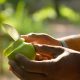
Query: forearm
x=72, y=42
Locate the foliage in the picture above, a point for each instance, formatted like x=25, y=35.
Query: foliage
x=21, y=19
x=43, y=14
x=70, y=14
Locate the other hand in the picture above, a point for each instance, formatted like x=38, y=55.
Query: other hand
x=65, y=66
x=41, y=38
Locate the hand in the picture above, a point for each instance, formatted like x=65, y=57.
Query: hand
x=41, y=38
x=46, y=52
x=64, y=67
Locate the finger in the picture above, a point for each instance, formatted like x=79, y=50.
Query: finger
x=40, y=38
x=35, y=76
x=32, y=76
x=48, y=50
x=32, y=66
x=16, y=69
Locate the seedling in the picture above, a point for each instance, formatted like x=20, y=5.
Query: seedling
x=19, y=46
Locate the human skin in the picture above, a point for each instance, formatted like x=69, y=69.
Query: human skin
x=64, y=67
x=72, y=41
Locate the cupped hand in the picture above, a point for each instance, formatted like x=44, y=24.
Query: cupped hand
x=65, y=66
x=41, y=38
x=46, y=52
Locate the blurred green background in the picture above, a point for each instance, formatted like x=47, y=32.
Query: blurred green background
x=58, y=18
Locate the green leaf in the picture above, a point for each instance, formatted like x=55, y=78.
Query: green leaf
x=21, y=47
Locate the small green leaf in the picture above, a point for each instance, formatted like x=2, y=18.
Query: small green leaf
x=21, y=47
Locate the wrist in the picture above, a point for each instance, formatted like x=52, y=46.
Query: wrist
x=64, y=44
